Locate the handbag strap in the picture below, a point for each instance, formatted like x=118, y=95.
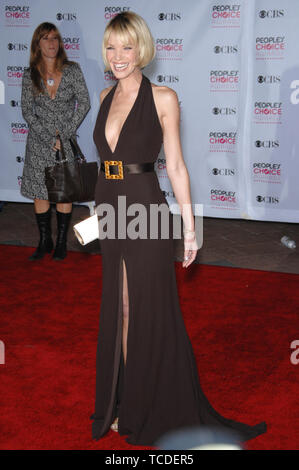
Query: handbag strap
x=60, y=154
x=76, y=150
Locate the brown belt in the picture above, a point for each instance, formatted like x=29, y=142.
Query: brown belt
x=115, y=169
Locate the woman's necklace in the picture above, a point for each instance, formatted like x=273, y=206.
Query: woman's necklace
x=50, y=81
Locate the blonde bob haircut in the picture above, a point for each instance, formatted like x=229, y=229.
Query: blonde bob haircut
x=130, y=28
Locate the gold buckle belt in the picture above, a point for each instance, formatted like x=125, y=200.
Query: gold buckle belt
x=130, y=168
x=108, y=175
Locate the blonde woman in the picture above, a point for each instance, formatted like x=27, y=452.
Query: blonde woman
x=54, y=101
x=147, y=382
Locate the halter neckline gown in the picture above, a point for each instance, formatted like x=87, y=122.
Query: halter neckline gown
x=158, y=389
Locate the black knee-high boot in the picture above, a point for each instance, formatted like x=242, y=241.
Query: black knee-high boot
x=45, y=243
x=63, y=221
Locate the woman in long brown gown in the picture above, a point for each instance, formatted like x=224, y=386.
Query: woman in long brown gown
x=147, y=381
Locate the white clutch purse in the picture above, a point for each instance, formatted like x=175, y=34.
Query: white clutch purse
x=88, y=230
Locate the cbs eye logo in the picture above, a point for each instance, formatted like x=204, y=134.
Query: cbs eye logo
x=263, y=14
x=14, y=103
x=169, y=16
x=17, y=47
x=66, y=16
x=271, y=13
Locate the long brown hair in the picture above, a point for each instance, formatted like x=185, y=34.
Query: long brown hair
x=36, y=60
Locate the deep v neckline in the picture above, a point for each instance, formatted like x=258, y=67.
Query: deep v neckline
x=127, y=118
x=47, y=91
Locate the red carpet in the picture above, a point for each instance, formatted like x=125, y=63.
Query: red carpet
x=241, y=323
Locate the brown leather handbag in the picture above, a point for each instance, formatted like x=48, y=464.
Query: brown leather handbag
x=71, y=181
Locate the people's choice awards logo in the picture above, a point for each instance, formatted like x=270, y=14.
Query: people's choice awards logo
x=226, y=16
x=161, y=164
x=270, y=47
x=14, y=75
x=111, y=11
x=221, y=196
x=267, y=112
x=16, y=15
x=109, y=77
x=222, y=142
x=72, y=47
x=169, y=48
x=19, y=131
x=224, y=80
x=265, y=172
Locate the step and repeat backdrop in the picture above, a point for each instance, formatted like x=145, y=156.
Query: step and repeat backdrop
x=235, y=68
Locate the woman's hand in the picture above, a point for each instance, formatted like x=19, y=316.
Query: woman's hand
x=57, y=143
x=190, y=248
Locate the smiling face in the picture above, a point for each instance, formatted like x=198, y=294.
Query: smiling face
x=121, y=56
x=49, y=45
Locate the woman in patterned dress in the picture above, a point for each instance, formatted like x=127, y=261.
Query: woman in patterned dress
x=55, y=100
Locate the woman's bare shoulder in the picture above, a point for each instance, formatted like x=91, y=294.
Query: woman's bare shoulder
x=164, y=94
x=104, y=93
x=166, y=99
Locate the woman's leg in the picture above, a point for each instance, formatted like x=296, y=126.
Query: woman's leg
x=41, y=206
x=63, y=207
x=125, y=304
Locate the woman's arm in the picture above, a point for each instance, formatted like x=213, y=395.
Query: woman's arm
x=169, y=113
x=83, y=103
x=45, y=130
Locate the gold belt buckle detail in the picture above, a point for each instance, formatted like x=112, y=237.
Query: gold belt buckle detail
x=120, y=175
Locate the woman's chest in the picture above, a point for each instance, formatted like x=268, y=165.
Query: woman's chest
x=64, y=93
